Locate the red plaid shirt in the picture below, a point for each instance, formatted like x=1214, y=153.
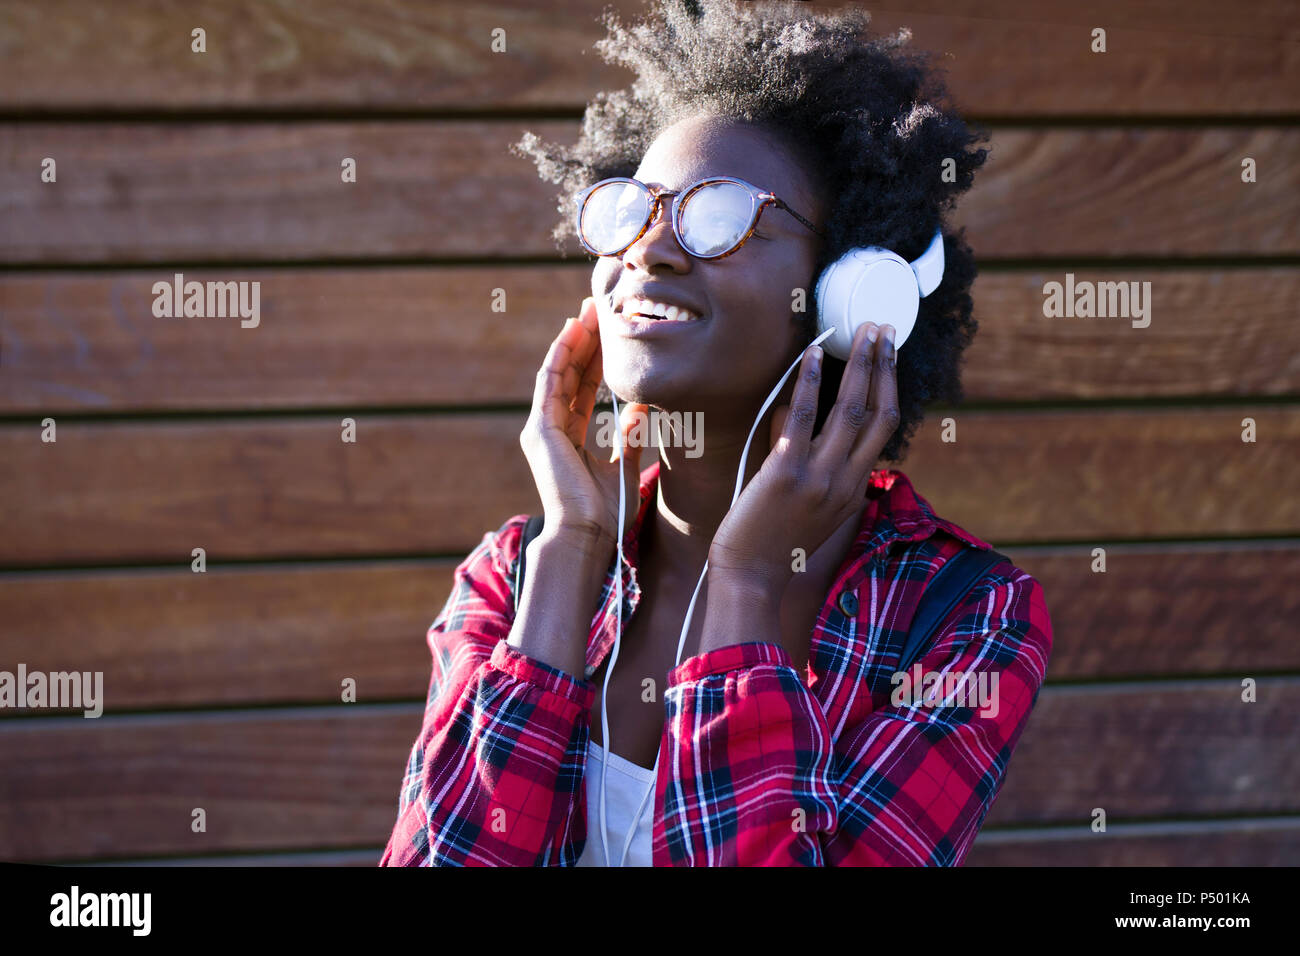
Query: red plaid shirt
x=758, y=765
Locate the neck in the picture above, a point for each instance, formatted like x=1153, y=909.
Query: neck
x=694, y=493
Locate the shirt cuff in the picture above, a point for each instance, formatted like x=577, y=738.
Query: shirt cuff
x=530, y=670
x=732, y=657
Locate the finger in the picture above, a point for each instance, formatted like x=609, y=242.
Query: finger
x=588, y=315
x=587, y=322
x=582, y=343
x=846, y=419
x=802, y=416
x=550, y=399
x=582, y=380
x=884, y=417
x=779, y=414
x=585, y=402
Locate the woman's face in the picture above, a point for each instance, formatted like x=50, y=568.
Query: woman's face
x=749, y=332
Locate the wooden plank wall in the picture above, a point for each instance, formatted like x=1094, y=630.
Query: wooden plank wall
x=328, y=560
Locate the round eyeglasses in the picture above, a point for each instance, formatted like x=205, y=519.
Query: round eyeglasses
x=711, y=218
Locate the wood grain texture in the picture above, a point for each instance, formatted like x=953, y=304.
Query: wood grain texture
x=235, y=191
x=285, y=634
x=423, y=485
x=127, y=786
x=1004, y=57
x=1170, y=610
x=263, y=635
x=327, y=777
x=132, y=193
x=1260, y=842
x=1091, y=475
x=1155, y=750
x=410, y=485
x=89, y=342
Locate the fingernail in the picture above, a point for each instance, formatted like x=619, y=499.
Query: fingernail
x=889, y=334
x=871, y=332
x=816, y=353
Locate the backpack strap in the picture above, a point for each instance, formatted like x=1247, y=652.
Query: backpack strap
x=532, y=528
x=950, y=584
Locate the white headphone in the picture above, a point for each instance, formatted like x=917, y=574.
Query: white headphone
x=871, y=284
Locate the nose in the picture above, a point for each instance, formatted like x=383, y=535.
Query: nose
x=658, y=245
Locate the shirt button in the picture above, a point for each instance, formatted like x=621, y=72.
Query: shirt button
x=848, y=603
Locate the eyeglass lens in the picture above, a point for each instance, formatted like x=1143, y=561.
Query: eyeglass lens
x=713, y=220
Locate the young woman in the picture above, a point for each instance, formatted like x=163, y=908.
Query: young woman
x=774, y=734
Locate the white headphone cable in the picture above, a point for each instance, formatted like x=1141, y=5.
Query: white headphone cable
x=618, y=631
x=690, y=609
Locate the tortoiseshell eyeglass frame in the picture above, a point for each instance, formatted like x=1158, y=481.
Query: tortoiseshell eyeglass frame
x=759, y=199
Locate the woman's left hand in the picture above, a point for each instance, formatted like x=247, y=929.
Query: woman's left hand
x=809, y=487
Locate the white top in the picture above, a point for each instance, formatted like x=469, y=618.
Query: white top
x=626, y=786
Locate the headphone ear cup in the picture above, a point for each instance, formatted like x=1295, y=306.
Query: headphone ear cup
x=864, y=285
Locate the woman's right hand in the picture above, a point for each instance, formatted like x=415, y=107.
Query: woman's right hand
x=578, y=488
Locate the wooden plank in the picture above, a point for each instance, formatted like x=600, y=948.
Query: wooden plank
x=89, y=342
x=1259, y=842
x=231, y=637
x=1255, y=842
x=1186, y=609
x=345, y=337
x=322, y=778
x=317, y=55
x=1115, y=192
x=329, y=858
x=128, y=786
x=413, y=485
x=1194, y=59
x=1094, y=475
x=196, y=192
x=254, y=191
x=1146, y=751
x=1021, y=58
x=420, y=485
x=1212, y=332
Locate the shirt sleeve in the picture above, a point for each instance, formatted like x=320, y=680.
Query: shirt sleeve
x=494, y=778
x=756, y=778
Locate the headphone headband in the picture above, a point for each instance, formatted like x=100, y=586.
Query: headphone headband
x=928, y=266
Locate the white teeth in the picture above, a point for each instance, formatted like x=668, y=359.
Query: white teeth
x=669, y=313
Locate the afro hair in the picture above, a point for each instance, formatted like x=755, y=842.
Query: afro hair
x=869, y=117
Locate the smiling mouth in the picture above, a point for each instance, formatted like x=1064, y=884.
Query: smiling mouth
x=648, y=310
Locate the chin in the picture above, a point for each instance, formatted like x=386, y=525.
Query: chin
x=648, y=383
x=639, y=387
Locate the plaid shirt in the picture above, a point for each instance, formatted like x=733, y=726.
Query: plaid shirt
x=758, y=765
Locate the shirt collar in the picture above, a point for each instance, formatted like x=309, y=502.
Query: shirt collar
x=896, y=513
